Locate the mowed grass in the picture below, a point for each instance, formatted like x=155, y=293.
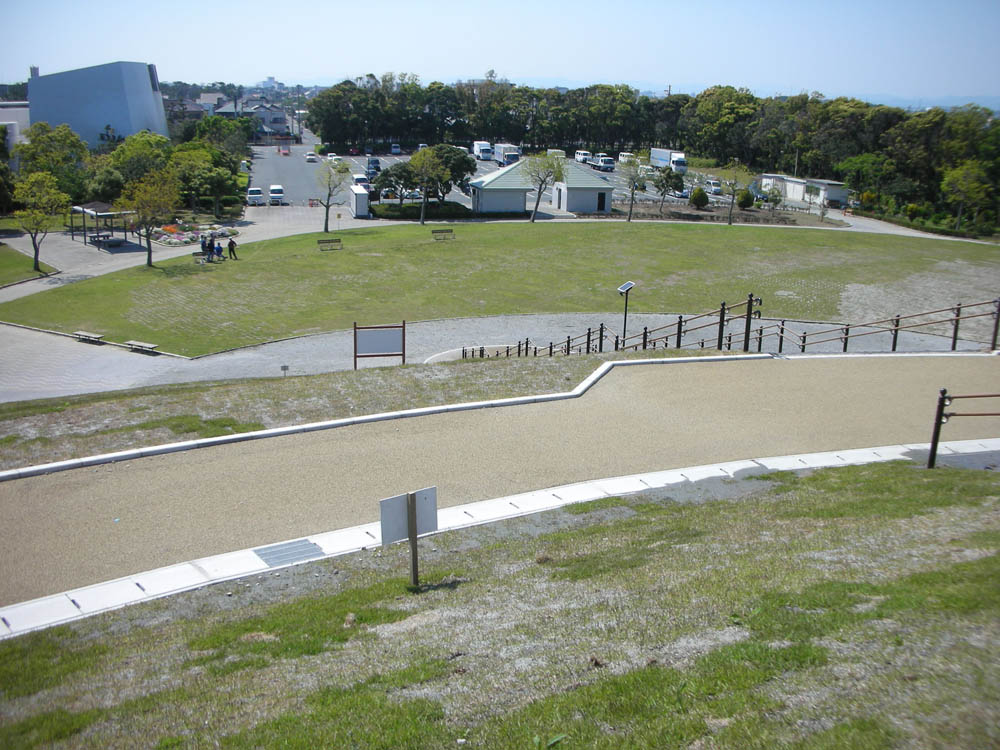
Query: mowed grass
x=15, y=266
x=782, y=617
x=287, y=287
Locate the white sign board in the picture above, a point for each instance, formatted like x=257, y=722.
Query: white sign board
x=393, y=515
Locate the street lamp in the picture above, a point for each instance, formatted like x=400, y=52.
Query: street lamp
x=623, y=290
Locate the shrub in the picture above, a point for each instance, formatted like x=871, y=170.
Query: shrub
x=744, y=199
x=411, y=211
x=699, y=198
x=868, y=200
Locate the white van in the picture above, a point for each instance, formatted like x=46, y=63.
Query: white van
x=625, y=156
x=558, y=152
x=713, y=187
x=582, y=156
x=255, y=196
x=275, y=195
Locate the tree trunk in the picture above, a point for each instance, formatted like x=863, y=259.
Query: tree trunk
x=326, y=217
x=538, y=199
x=663, y=199
x=732, y=202
x=958, y=223
x=423, y=204
x=34, y=245
x=149, y=247
x=631, y=202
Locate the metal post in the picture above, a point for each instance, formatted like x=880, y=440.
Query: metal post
x=411, y=529
x=895, y=332
x=588, y=341
x=746, y=328
x=482, y=352
x=802, y=346
x=508, y=350
x=729, y=342
x=954, y=324
x=760, y=339
x=567, y=345
x=463, y=352
x=518, y=348
x=939, y=419
x=847, y=335
x=996, y=326
x=600, y=341
x=645, y=337
x=781, y=337
x=680, y=329
x=722, y=324
x=550, y=348
x=616, y=342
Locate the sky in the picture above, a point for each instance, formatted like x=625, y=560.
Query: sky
x=880, y=50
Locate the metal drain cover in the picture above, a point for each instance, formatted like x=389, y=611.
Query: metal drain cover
x=286, y=553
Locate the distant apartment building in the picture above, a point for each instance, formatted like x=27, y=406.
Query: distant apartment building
x=110, y=101
x=271, y=119
x=14, y=117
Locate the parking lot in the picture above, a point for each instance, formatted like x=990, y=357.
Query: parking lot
x=299, y=177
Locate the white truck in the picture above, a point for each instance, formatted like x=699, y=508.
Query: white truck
x=665, y=157
x=506, y=153
x=602, y=163
x=482, y=150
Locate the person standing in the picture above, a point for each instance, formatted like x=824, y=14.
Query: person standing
x=232, y=249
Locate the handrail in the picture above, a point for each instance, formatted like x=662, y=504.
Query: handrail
x=941, y=417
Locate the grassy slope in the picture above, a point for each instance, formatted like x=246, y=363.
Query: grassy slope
x=285, y=287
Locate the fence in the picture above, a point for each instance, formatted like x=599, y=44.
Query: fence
x=942, y=416
x=715, y=325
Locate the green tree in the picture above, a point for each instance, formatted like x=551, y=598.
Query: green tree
x=6, y=188
x=699, y=198
x=139, y=154
x=152, y=201
x=542, y=172
x=744, y=199
x=191, y=167
x=105, y=182
x=634, y=180
x=217, y=182
x=428, y=172
x=398, y=178
x=331, y=179
x=966, y=186
x=667, y=181
x=774, y=197
x=42, y=199
x=58, y=151
x=458, y=165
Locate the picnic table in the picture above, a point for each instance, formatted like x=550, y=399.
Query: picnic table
x=141, y=346
x=98, y=237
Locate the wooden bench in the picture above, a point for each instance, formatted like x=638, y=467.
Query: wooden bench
x=93, y=338
x=443, y=234
x=334, y=244
x=141, y=346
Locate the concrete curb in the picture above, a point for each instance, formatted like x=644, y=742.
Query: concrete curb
x=76, y=604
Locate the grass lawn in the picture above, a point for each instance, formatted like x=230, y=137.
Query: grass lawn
x=855, y=607
x=15, y=266
x=286, y=287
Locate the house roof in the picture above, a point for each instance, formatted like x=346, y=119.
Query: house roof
x=804, y=180
x=508, y=178
x=575, y=175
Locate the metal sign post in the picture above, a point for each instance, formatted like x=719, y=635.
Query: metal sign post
x=406, y=517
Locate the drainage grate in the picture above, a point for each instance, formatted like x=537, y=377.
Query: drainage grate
x=289, y=552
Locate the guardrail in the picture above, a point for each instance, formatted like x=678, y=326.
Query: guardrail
x=942, y=417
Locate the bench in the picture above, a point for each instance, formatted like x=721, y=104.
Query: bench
x=141, y=346
x=93, y=338
x=443, y=234
x=334, y=244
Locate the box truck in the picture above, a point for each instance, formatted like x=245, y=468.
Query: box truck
x=482, y=150
x=506, y=153
x=665, y=157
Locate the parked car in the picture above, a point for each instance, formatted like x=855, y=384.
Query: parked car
x=713, y=187
x=311, y=156
x=333, y=157
x=388, y=194
x=395, y=150
x=255, y=196
x=582, y=156
x=276, y=195
x=374, y=164
x=353, y=151
x=421, y=146
x=646, y=171
x=413, y=195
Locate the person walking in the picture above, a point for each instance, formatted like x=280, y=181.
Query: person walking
x=232, y=249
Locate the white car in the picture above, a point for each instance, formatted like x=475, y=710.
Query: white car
x=625, y=156
x=331, y=157
x=255, y=196
x=713, y=187
x=311, y=156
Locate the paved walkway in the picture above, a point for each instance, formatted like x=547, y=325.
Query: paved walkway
x=94, y=524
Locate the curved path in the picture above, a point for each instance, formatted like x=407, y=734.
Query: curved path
x=84, y=526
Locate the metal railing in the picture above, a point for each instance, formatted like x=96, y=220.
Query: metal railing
x=941, y=417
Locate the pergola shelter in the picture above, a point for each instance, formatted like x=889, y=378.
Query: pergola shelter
x=104, y=218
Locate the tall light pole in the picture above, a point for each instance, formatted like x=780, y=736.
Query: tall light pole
x=623, y=290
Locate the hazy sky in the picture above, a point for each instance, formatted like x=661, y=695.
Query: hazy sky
x=905, y=48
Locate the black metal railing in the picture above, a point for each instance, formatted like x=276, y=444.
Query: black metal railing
x=941, y=417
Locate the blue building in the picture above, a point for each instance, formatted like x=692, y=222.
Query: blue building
x=105, y=102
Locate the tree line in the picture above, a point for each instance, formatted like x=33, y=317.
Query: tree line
x=916, y=163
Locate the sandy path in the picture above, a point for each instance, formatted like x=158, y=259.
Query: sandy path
x=79, y=527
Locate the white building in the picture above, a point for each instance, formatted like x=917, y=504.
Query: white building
x=503, y=191
x=582, y=190
x=806, y=190
x=114, y=100
x=15, y=116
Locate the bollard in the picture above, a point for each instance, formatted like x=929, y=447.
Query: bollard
x=954, y=324
x=680, y=329
x=802, y=346
x=567, y=345
x=895, y=332
x=939, y=419
x=781, y=337
x=508, y=351
x=482, y=352
x=588, y=341
x=616, y=342
x=536, y=351
x=760, y=339
x=550, y=348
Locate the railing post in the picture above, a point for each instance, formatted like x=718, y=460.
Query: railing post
x=600, y=340
x=729, y=342
x=996, y=326
x=722, y=324
x=802, y=344
x=567, y=345
x=536, y=351
x=781, y=337
x=954, y=326
x=746, y=327
x=680, y=329
x=519, y=349
x=482, y=352
x=616, y=342
x=760, y=340
x=463, y=352
x=550, y=348
x=508, y=351
x=588, y=341
x=645, y=337
x=939, y=419
x=526, y=342
x=847, y=335
x=895, y=332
